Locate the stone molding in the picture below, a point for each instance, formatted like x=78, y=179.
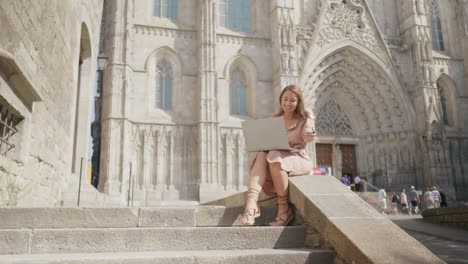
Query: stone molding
x=22, y=84
x=243, y=40
x=165, y=32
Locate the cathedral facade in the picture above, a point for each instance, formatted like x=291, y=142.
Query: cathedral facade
x=385, y=80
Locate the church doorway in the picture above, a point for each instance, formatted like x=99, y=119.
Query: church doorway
x=348, y=155
x=324, y=154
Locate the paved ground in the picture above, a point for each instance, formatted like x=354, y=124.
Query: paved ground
x=448, y=243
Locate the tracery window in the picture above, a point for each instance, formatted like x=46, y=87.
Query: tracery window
x=332, y=120
x=164, y=85
x=238, y=87
x=436, y=26
x=165, y=8
x=235, y=14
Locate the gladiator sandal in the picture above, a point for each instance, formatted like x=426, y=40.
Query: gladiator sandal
x=250, y=213
x=286, y=216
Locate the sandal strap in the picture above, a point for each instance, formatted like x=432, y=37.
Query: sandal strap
x=279, y=221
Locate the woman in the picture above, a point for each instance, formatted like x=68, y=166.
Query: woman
x=270, y=170
x=429, y=199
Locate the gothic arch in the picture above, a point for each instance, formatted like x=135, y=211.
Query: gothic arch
x=169, y=55
x=248, y=67
x=373, y=88
x=448, y=88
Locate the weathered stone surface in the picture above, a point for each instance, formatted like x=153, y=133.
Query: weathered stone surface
x=148, y=239
x=14, y=241
x=230, y=216
x=357, y=233
x=272, y=256
x=167, y=217
x=75, y=217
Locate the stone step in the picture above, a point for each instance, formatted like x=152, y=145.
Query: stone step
x=271, y=256
x=87, y=240
x=80, y=217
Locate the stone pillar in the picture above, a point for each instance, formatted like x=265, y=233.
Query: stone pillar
x=115, y=128
x=284, y=52
x=208, y=128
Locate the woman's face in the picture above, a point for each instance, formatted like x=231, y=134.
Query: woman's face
x=289, y=102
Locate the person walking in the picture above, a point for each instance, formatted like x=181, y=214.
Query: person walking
x=443, y=199
x=414, y=200
x=269, y=170
x=404, y=202
x=382, y=197
x=428, y=198
x=395, y=201
x=436, y=195
x=357, y=183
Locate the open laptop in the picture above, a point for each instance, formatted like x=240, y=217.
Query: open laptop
x=265, y=134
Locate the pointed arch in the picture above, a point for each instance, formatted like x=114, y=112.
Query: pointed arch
x=241, y=74
x=381, y=95
x=448, y=101
x=164, y=71
x=84, y=93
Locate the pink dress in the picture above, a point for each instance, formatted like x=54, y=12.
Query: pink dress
x=294, y=163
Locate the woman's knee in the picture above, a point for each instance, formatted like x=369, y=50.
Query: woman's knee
x=276, y=166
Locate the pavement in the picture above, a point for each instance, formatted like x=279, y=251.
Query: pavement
x=447, y=242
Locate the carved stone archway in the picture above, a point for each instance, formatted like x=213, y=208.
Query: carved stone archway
x=378, y=118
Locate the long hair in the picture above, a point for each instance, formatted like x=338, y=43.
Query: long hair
x=300, y=109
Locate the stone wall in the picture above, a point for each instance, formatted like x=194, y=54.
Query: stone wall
x=43, y=38
x=457, y=216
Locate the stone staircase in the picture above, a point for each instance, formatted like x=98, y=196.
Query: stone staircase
x=179, y=234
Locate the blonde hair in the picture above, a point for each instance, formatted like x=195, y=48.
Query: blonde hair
x=300, y=109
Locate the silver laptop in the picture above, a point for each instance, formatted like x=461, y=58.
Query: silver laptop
x=265, y=134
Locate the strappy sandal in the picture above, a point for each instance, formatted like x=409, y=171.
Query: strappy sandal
x=249, y=215
x=285, y=217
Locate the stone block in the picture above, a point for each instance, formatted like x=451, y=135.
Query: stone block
x=230, y=216
x=45, y=241
x=271, y=256
x=74, y=217
x=357, y=232
x=167, y=217
x=14, y=241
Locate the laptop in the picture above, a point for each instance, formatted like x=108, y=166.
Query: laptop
x=265, y=134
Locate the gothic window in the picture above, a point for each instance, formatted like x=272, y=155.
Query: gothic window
x=235, y=14
x=238, y=87
x=165, y=8
x=436, y=26
x=332, y=120
x=164, y=85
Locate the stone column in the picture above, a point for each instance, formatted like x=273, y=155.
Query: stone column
x=283, y=38
x=208, y=128
x=115, y=128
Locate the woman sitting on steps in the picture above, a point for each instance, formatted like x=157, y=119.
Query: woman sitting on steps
x=269, y=170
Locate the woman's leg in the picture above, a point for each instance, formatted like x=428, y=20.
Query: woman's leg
x=280, y=180
x=257, y=178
